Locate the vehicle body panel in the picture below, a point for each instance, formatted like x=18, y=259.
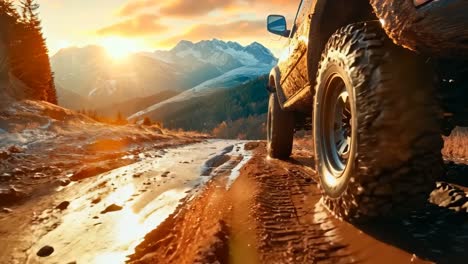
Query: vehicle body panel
x=295, y=67
x=295, y=75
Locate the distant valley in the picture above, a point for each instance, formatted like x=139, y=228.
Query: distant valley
x=163, y=85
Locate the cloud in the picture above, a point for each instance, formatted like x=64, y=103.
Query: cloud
x=275, y=2
x=227, y=31
x=197, y=8
x=174, y=7
x=194, y=8
x=142, y=25
x=136, y=6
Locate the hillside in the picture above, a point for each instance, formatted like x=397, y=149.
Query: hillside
x=126, y=108
x=39, y=139
x=208, y=112
x=70, y=99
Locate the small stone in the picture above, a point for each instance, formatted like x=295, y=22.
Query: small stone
x=45, y=251
x=96, y=200
x=38, y=175
x=18, y=171
x=6, y=176
x=6, y=210
x=15, y=149
x=64, y=182
x=360, y=190
x=4, y=155
x=11, y=194
x=63, y=205
x=112, y=208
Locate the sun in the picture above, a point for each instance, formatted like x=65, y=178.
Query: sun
x=119, y=48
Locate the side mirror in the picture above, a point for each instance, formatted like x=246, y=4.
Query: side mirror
x=277, y=25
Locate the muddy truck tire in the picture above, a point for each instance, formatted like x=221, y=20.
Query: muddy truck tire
x=280, y=130
x=436, y=28
x=376, y=125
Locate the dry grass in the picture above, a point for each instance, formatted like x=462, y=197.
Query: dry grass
x=456, y=145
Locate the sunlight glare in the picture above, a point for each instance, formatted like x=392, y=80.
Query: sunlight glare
x=133, y=226
x=62, y=44
x=121, y=195
x=119, y=48
x=111, y=257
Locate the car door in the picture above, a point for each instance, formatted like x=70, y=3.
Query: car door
x=295, y=76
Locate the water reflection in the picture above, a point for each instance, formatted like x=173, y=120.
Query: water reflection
x=121, y=195
x=132, y=224
x=114, y=257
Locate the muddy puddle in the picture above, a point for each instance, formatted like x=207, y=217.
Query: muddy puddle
x=102, y=219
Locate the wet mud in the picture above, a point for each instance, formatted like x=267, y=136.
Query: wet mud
x=226, y=202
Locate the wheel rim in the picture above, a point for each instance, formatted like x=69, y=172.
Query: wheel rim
x=336, y=127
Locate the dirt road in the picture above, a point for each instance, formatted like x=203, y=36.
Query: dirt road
x=224, y=202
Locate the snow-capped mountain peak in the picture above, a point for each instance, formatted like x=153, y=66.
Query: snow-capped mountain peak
x=219, y=53
x=182, y=45
x=237, y=65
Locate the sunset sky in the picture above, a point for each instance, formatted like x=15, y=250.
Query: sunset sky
x=159, y=24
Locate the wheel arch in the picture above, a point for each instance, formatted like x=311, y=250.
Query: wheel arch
x=342, y=12
x=274, y=85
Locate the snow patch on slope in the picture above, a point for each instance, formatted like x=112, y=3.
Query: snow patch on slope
x=228, y=80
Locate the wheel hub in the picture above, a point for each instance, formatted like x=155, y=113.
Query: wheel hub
x=337, y=127
x=342, y=126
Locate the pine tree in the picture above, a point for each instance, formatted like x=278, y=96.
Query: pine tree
x=120, y=120
x=29, y=58
x=8, y=20
x=8, y=14
x=52, y=92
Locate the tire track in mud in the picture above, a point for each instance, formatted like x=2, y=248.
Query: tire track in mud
x=273, y=213
x=308, y=233
x=287, y=230
x=293, y=226
x=257, y=220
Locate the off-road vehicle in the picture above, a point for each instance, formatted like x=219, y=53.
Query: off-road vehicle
x=380, y=82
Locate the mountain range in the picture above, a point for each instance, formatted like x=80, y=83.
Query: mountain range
x=90, y=77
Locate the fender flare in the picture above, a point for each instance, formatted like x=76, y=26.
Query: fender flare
x=274, y=85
